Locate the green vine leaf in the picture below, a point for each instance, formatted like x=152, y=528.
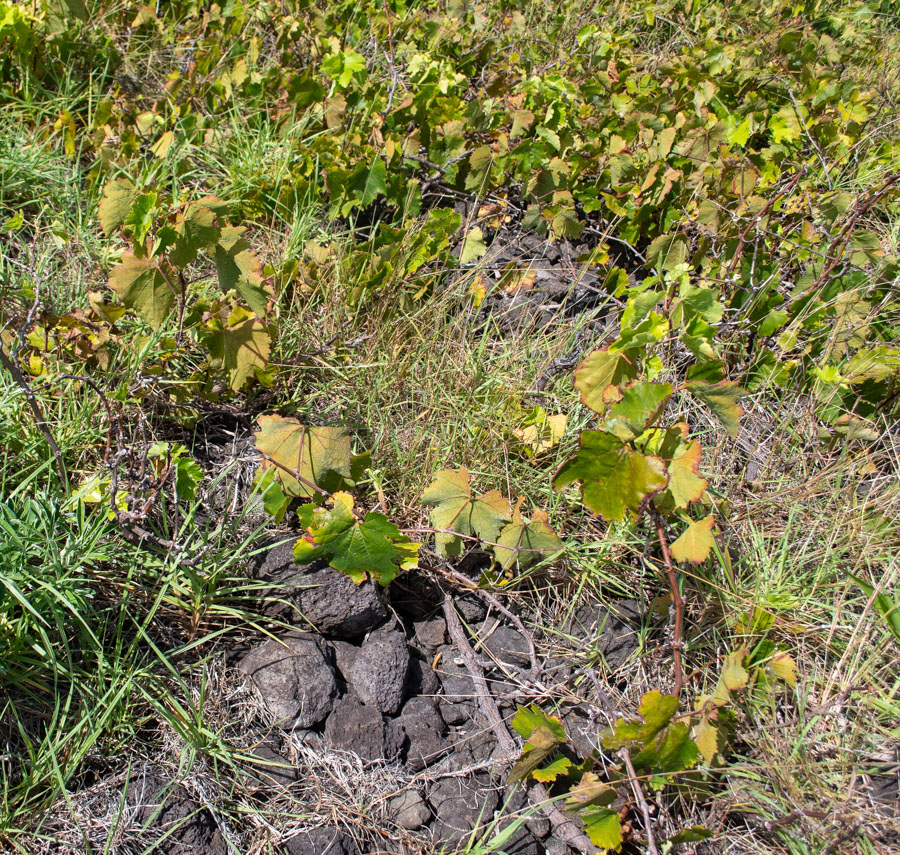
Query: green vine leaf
x=365, y=184
x=604, y=828
x=656, y=709
x=667, y=252
x=473, y=246
x=558, y=767
x=543, y=735
x=319, y=455
x=374, y=547
x=721, y=398
x=528, y=719
x=641, y=405
x=525, y=542
x=142, y=286
x=458, y=512
x=615, y=478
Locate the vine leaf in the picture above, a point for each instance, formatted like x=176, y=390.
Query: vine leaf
x=115, y=206
x=528, y=719
x=458, y=512
x=685, y=484
x=240, y=346
x=540, y=431
x=590, y=790
x=709, y=728
x=195, y=228
x=525, y=542
x=600, y=370
x=543, y=735
x=239, y=269
x=695, y=542
x=615, y=478
x=657, y=743
x=784, y=667
x=708, y=737
x=319, y=455
x=374, y=546
x=721, y=398
x=539, y=746
x=667, y=251
x=522, y=121
x=657, y=711
x=141, y=286
x=366, y=183
x=549, y=773
x=473, y=246
x=275, y=500
x=604, y=828
x=640, y=406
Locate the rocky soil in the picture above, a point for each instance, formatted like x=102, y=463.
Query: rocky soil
x=373, y=675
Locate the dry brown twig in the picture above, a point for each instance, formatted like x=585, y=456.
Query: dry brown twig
x=564, y=826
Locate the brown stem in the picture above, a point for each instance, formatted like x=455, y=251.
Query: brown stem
x=676, y=599
x=625, y=754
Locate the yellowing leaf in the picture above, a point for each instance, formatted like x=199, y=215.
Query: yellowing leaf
x=115, y=206
x=604, y=828
x=601, y=369
x=473, y=246
x=695, y=541
x=319, y=455
x=522, y=121
x=540, y=745
x=784, y=667
x=560, y=766
x=706, y=738
x=541, y=431
x=239, y=348
x=141, y=286
x=615, y=478
x=477, y=290
x=458, y=512
x=590, y=790
x=734, y=675
x=685, y=484
x=162, y=146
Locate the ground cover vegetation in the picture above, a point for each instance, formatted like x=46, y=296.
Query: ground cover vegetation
x=555, y=303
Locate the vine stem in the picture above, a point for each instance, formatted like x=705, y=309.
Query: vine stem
x=677, y=600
